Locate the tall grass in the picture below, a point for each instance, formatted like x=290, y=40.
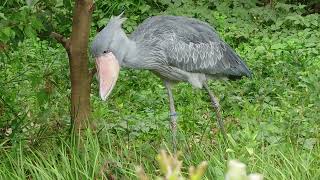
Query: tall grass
x=109, y=156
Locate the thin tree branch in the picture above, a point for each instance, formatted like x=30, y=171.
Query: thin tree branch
x=62, y=40
x=92, y=7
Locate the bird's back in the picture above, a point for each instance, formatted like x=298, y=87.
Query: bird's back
x=190, y=45
x=188, y=28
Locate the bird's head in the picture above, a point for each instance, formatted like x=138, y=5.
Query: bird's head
x=108, y=53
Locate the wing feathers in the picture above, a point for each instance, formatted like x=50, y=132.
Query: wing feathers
x=210, y=58
x=189, y=45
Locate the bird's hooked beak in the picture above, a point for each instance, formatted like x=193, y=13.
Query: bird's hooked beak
x=108, y=71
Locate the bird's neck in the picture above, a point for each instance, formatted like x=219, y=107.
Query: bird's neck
x=131, y=53
x=125, y=50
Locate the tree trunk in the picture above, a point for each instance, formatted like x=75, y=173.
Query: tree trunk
x=77, y=49
x=78, y=60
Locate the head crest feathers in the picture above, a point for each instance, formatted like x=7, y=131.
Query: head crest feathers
x=117, y=20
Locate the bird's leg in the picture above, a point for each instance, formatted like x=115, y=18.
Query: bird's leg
x=173, y=116
x=216, y=106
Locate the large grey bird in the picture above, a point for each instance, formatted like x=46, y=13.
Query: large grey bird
x=177, y=49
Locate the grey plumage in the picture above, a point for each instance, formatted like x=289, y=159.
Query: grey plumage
x=181, y=48
x=176, y=49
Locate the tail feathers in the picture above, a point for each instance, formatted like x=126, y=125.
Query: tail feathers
x=237, y=67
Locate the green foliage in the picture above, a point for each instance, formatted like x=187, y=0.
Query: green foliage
x=271, y=119
x=22, y=23
x=32, y=84
x=31, y=18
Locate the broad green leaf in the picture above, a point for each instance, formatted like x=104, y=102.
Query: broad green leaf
x=277, y=46
x=29, y=32
x=2, y=16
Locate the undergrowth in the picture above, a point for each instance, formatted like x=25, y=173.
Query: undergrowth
x=272, y=120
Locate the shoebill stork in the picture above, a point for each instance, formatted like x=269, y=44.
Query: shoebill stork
x=177, y=49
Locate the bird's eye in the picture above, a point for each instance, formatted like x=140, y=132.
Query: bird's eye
x=106, y=51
